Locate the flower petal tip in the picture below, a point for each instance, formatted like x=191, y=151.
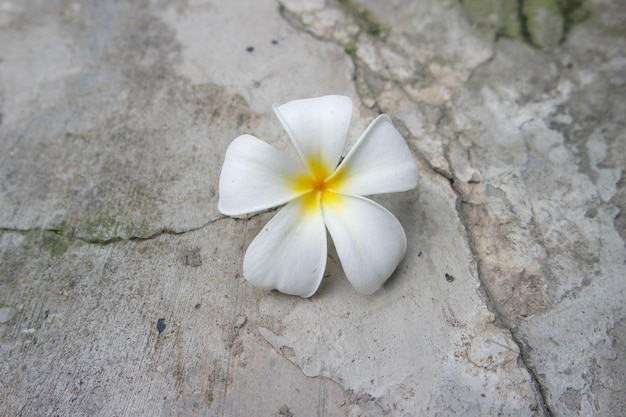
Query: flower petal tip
x=289, y=254
x=317, y=127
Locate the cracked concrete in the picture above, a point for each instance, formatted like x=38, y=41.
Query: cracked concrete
x=120, y=283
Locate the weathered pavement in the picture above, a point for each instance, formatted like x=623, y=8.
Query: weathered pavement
x=115, y=117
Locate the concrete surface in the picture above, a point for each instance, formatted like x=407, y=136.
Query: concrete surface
x=120, y=283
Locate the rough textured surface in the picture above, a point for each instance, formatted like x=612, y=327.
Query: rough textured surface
x=542, y=23
x=120, y=284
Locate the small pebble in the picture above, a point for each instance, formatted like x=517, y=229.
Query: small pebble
x=241, y=320
x=6, y=314
x=161, y=325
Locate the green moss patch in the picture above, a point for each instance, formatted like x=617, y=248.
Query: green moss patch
x=542, y=23
x=350, y=48
x=365, y=19
x=54, y=243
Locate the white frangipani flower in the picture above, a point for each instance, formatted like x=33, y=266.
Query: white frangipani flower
x=290, y=252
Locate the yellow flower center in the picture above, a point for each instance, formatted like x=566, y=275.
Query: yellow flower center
x=317, y=187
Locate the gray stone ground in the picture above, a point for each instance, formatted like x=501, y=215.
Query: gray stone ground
x=115, y=116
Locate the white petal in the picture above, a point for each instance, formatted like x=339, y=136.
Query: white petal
x=318, y=127
x=380, y=162
x=370, y=241
x=290, y=253
x=255, y=177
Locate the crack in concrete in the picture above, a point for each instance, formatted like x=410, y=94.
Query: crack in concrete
x=500, y=321
x=296, y=23
x=352, y=397
x=525, y=359
x=484, y=63
x=72, y=235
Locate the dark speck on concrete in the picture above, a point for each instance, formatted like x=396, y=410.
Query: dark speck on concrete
x=192, y=257
x=449, y=278
x=284, y=411
x=274, y=42
x=250, y=49
x=160, y=325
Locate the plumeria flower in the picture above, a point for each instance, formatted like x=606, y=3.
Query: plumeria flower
x=321, y=192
